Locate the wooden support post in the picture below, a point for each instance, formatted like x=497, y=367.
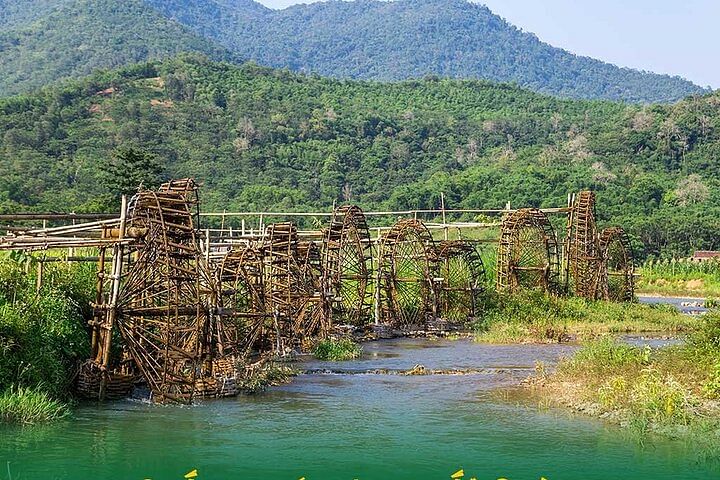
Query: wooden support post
x=565, y=253
x=98, y=300
x=444, y=219
x=378, y=277
x=207, y=245
x=118, y=255
x=39, y=279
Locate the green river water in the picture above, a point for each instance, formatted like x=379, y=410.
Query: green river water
x=354, y=425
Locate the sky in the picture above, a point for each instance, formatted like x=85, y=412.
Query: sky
x=678, y=37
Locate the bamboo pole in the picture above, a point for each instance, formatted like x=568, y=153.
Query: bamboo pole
x=444, y=219
x=118, y=253
x=15, y=217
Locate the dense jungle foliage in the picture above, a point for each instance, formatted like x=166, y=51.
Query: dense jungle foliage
x=264, y=139
x=41, y=41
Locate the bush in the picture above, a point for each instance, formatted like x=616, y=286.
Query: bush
x=706, y=339
x=337, y=350
x=660, y=398
x=43, y=335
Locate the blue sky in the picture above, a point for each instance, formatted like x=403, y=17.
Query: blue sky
x=679, y=37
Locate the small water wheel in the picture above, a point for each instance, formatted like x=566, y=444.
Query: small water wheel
x=315, y=320
x=294, y=296
x=584, y=256
x=619, y=265
x=461, y=280
x=242, y=303
x=527, y=252
x=346, y=264
x=407, y=251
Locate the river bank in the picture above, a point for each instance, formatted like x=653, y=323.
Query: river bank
x=673, y=391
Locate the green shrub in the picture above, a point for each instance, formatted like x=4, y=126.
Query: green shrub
x=337, y=350
x=43, y=334
x=706, y=339
x=711, y=388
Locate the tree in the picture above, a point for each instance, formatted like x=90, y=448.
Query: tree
x=691, y=190
x=130, y=169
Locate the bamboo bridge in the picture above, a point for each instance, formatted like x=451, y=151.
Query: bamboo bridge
x=187, y=310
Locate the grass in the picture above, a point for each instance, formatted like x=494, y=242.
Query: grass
x=28, y=405
x=681, y=278
x=534, y=317
x=337, y=349
x=672, y=391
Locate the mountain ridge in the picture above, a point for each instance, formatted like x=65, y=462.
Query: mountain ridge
x=364, y=39
x=457, y=39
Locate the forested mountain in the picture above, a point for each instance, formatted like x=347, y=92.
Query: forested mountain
x=43, y=40
x=264, y=139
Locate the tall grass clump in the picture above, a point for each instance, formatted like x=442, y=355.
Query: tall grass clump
x=337, y=349
x=30, y=405
x=669, y=390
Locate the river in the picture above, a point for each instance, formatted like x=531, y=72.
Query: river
x=355, y=425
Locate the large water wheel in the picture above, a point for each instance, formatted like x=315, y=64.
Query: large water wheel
x=527, y=252
x=584, y=256
x=162, y=314
x=619, y=268
x=244, y=324
x=406, y=256
x=346, y=264
x=460, y=280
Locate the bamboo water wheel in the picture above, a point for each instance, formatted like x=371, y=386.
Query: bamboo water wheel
x=619, y=265
x=584, y=256
x=527, y=252
x=244, y=325
x=316, y=319
x=461, y=280
x=406, y=255
x=293, y=292
x=347, y=258
x=162, y=316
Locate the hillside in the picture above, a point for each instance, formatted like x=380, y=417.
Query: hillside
x=42, y=41
x=402, y=39
x=261, y=139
